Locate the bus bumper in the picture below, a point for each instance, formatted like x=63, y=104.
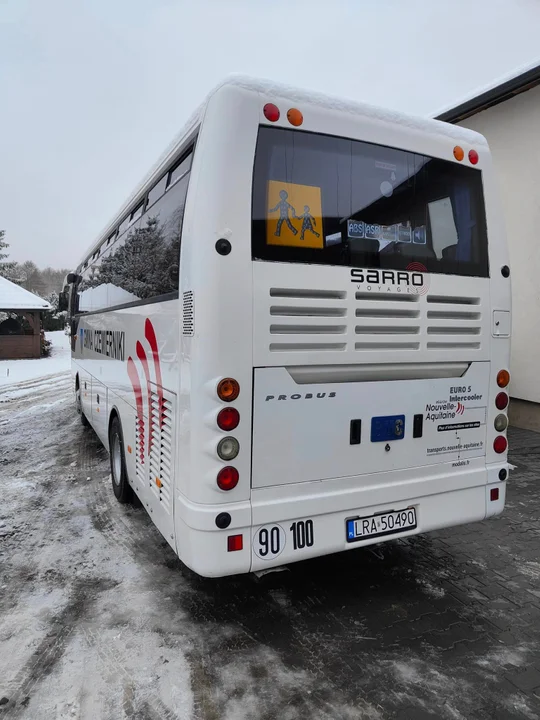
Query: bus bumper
x=280, y=532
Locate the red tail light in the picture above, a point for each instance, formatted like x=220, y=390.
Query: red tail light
x=501, y=401
x=500, y=444
x=473, y=157
x=227, y=478
x=228, y=419
x=494, y=494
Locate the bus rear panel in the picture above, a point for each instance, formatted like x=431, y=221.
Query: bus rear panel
x=379, y=321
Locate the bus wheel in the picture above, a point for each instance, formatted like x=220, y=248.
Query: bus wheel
x=78, y=402
x=121, y=487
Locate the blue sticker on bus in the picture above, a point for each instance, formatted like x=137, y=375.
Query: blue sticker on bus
x=388, y=427
x=373, y=232
x=355, y=229
x=419, y=235
x=404, y=233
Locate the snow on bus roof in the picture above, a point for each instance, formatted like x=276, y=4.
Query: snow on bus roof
x=14, y=297
x=273, y=89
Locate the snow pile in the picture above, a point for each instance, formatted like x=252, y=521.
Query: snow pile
x=16, y=371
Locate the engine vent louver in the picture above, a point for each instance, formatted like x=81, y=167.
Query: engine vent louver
x=308, y=320
x=188, y=314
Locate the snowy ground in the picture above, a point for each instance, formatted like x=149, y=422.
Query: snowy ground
x=100, y=621
x=19, y=371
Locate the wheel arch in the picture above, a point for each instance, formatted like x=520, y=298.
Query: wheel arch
x=114, y=413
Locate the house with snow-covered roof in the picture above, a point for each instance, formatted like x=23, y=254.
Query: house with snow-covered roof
x=20, y=328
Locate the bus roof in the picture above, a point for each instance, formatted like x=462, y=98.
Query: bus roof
x=272, y=89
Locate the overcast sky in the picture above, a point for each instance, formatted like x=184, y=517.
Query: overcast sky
x=93, y=90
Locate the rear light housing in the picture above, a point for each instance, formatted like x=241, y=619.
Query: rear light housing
x=235, y=543
x=501, y=423
x=503, y=378
x=228, y=419
x=271, y=112
x=227, y=478
x=501, y=401
x=500, y=444
x=228, y=448
x=295, y=117
x=228, y=389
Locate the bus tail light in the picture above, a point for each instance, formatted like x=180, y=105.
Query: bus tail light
x=501, y=423
x=227, y=478
x=503, y=378
x=271, y=112
x=473, y=157
x=459, y=153
x=494, y=494
x=235, y=542
x=501, y=401
x=228, y=390
x=500, y=444
x=228, y=419
x=228, y=448
x=295, y=117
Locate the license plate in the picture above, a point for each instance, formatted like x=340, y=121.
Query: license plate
x=388, y=523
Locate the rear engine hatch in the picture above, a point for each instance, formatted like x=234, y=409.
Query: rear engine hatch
x=305, y=431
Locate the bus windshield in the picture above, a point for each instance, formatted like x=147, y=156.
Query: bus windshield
x=333, y=201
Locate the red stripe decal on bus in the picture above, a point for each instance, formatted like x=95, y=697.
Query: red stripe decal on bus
x=144, y=361
x=151, y=337
x=134, y=377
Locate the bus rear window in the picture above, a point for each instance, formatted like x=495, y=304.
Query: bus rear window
x=328, y=200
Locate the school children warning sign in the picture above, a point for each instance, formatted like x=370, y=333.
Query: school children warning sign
x=294, y=215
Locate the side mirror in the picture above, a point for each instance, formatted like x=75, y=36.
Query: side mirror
x=72, y=278
x=62, y=302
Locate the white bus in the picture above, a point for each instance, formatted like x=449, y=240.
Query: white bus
x=294, y=338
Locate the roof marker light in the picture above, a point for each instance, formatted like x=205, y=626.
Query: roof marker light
x=459, y=153
x=271, y=112
x=473, y=157
x=295, y=117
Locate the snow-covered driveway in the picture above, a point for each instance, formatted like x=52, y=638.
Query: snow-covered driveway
x=100, y=621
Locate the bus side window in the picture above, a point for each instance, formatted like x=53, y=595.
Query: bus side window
x=143, y=263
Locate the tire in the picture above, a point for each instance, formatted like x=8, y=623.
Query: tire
x=78, y=402
x=121, y=487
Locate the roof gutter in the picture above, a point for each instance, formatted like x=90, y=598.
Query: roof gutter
x=494, y=96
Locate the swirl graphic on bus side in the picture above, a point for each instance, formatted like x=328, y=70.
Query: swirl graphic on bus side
x=151, y=373
x=420, y=268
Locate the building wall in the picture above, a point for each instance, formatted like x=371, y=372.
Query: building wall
x=512, y=129
x=17, y=347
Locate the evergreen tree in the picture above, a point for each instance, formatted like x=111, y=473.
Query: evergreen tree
x=7, y=269
x=144, y=265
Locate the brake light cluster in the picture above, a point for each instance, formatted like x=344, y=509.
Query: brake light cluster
x=228, y=447
x=459, y=154
x=272, y=114
x=500, y=444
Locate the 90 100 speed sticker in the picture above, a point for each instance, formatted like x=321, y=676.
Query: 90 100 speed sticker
x=269, y=541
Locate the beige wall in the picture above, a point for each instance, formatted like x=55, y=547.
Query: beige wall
x=512, y=129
